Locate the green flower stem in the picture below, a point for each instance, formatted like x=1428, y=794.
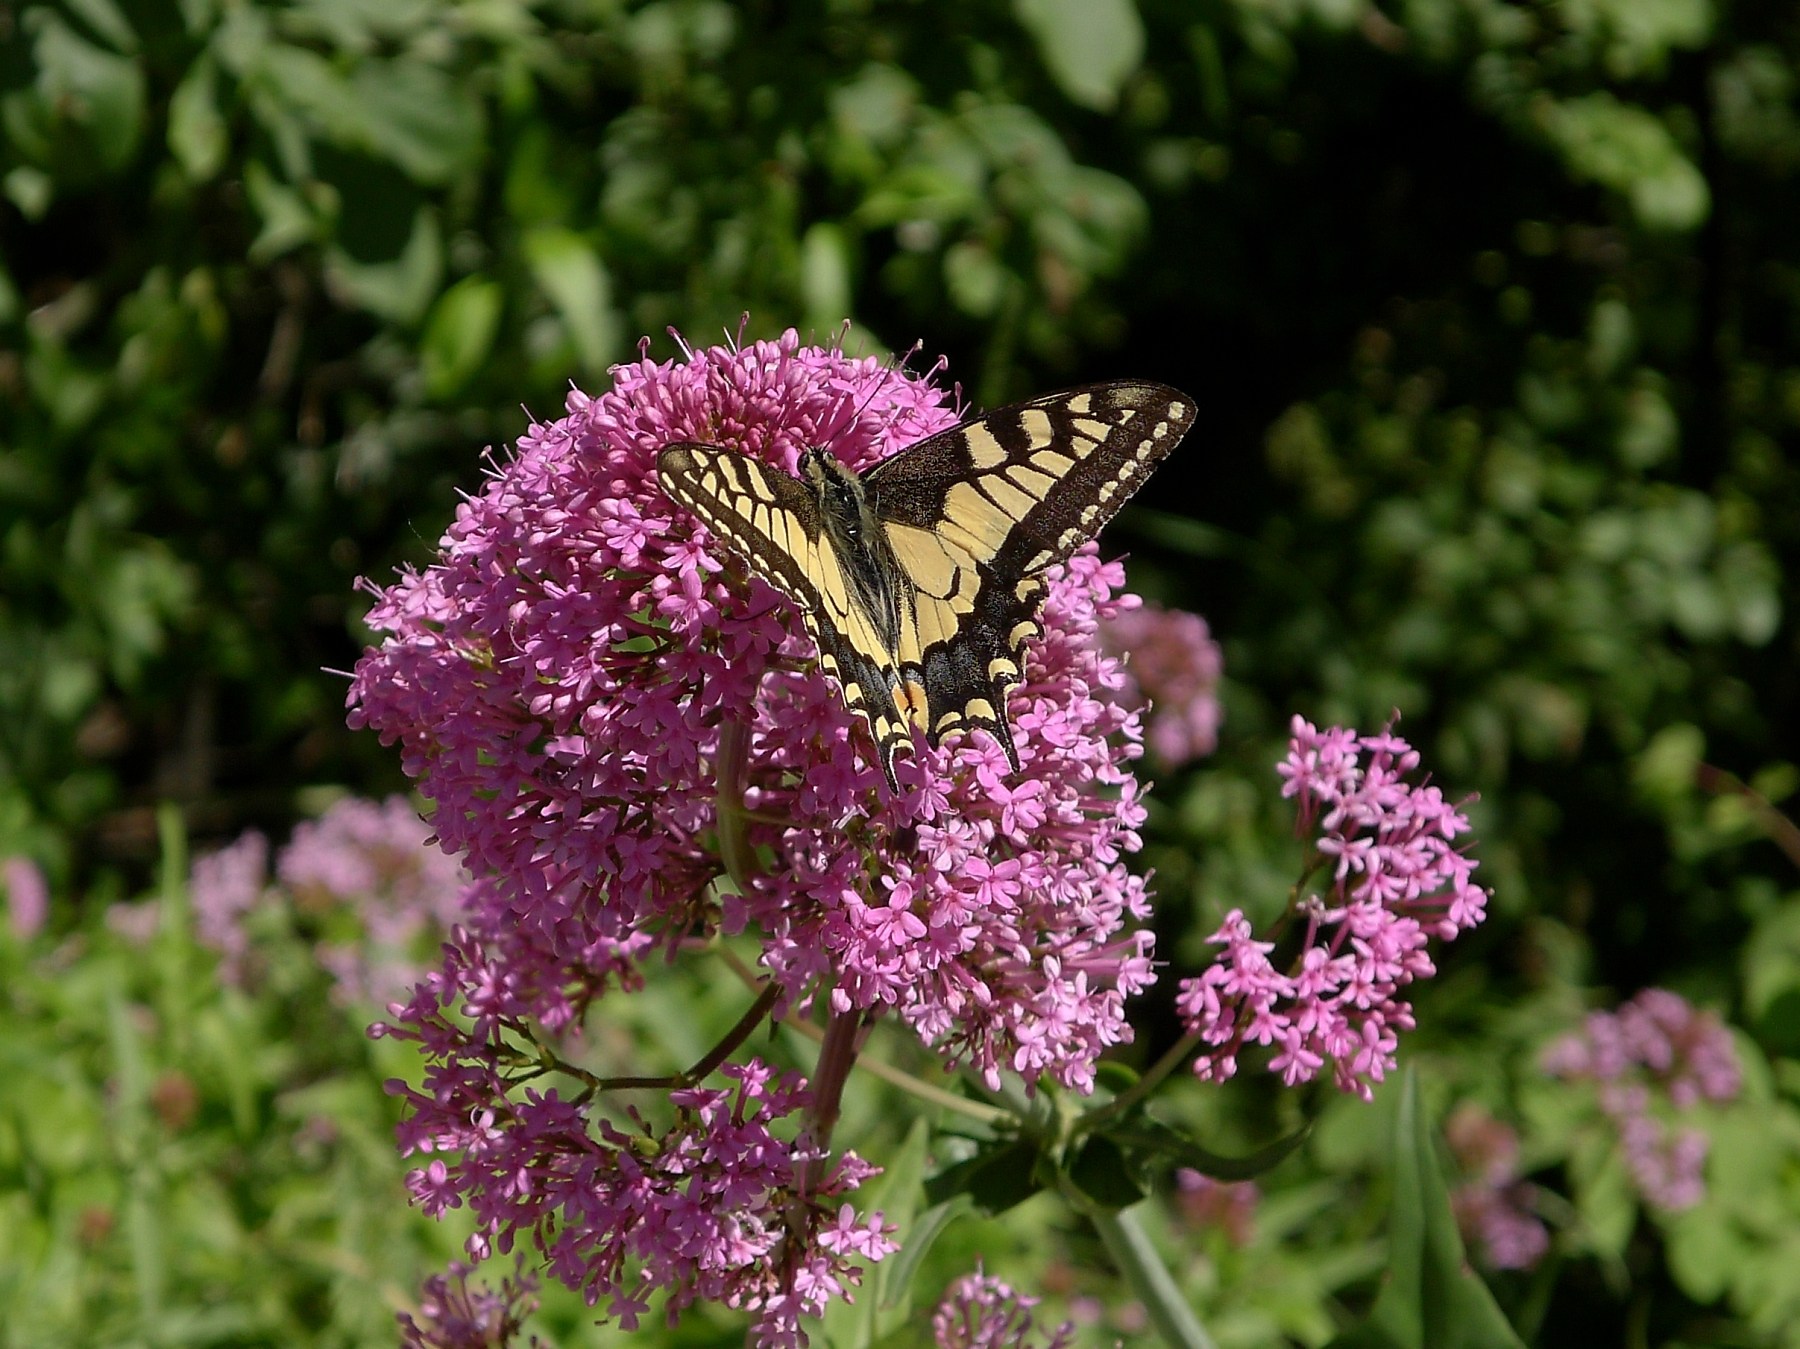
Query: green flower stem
x=1782, y=831
x=1144, y=1272
x=897, y=1077
x=1176, y=1055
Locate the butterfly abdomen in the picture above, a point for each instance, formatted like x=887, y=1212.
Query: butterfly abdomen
x=861, y=545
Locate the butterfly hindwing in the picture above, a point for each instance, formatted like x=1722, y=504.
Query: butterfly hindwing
x=977, y=513
x=772, y=521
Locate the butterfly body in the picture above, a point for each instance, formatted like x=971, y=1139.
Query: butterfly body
x=921, y=578
x=875, y=576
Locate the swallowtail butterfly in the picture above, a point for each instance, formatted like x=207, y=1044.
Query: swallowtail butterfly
x=921, y=578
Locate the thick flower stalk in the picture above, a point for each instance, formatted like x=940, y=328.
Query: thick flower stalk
x=1657, y=1055
x=612, y=717
x=1397, y=880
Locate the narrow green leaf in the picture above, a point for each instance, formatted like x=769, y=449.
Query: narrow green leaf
x=899, y=1270
x=895, y=1193
x=571, y=274
x=1432, y=1299
x=1159, y=1140
x=459, y=334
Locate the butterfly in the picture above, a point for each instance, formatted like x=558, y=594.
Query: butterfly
x=921, y=578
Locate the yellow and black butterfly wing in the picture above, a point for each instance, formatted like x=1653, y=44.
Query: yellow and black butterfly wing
x=771, y=521
x=977, y=513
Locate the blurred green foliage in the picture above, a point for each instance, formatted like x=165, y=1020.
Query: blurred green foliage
x=1493, y=310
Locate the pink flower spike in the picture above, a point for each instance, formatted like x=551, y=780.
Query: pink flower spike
x=1656, y=1057
x=982, y=1312
x=564, y=682
x=1396, y=880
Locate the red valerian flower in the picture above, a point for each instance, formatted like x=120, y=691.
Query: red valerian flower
x=982, y=1312
x=1656, y=1055
x=1398, y=879
x=1173, y=664
x=1494, y=1208
x=611, y=715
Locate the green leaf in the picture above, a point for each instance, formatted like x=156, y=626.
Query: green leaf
x=419, y=118
x=459, y=334
x=1629, y=150
x=571, y=274
x=86, y=109
x=995, y=1179
x=286, y=221
x=825, y=272
x=31, y=190
x=1091, y=47
x=1157, y=1140
x=1431, y=1299
x=899, y=1270
x=1103, y=1172
x=399, y=289
x=895, y=1193
x=196, y=130
x=1666, y=771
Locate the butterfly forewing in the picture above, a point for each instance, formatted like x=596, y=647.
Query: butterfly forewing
x=772, y=521
x=975, y=514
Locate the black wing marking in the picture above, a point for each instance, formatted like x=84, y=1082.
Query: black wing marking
x=771, y=520
x=977, y=513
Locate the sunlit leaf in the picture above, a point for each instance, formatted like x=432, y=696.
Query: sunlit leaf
x=459, y=334
x=571, y=273
x=1091, y=47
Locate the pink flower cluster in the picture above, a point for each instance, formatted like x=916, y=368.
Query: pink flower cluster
x=1228, y=1205
x=982, y=1312
x=1397, y=880
x=1658, y=1049
x=453, y=1314
x=27, y=896
x=366, y=869
x=719, y=1206
x=1493, y=1207
x=375, y=861
x=559, y=680
x=596, y=695
x=1173, y=664
x=224, y=887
